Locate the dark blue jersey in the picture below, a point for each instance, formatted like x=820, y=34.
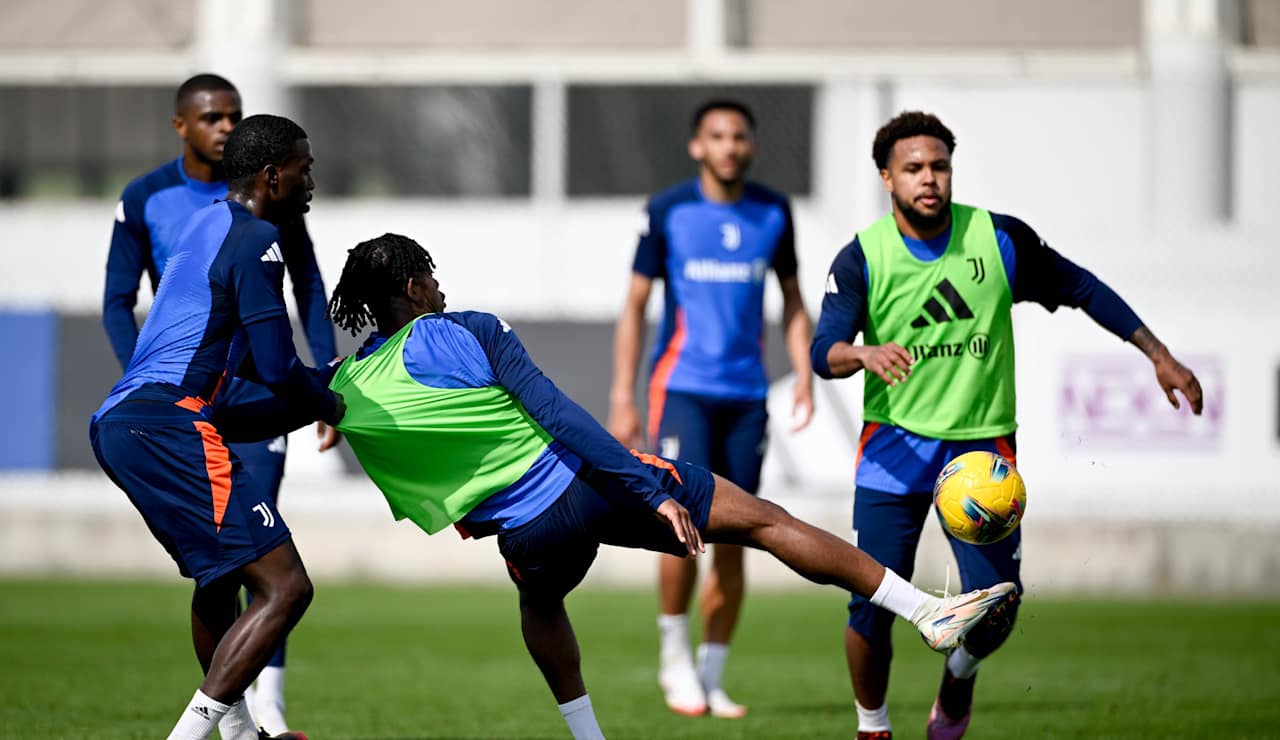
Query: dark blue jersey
x=713, y=259
x=151, y=214
x=220, y=309
x=477, y=350
x=1035, y=272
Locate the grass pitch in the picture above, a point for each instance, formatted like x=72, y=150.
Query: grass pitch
x=113, y=660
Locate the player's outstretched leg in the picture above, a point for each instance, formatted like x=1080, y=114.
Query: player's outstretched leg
x=739, y=518
x=549, y=637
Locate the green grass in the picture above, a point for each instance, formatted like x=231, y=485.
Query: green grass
x=93, y=659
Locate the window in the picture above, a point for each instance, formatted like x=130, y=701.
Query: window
x=627, y=140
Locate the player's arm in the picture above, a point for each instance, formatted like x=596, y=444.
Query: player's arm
x=628, y=341
x=260, y=305
x=555, y=412
x=127, y=259
x=308, y=291
x=1042, y=275
x=266, y=418
x=796, y=326
x=309, y=295
x=843, y=315
x=628, y=336
x=572, y=426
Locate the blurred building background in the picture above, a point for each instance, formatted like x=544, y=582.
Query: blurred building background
x=517, y=140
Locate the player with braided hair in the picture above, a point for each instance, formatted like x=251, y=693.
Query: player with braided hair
x=390, y=260
x=512, y=456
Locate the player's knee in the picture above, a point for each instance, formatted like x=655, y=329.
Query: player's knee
x=296, y=592
x=764, y=516
x=993, y=630
x=540, y=602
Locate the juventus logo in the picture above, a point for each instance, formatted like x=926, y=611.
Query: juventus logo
x=979, y=269
x=730, y=236
x=268, y=519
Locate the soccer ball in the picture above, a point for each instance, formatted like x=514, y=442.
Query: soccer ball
x=980, y=497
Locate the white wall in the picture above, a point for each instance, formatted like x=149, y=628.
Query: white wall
x=1133, y=483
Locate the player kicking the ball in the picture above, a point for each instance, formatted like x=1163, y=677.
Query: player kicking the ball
x=456, y=425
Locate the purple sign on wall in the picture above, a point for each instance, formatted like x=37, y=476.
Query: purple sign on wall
x=1114, y=400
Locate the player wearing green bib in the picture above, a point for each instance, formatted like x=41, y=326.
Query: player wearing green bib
x=456, y=425
x=930, y=288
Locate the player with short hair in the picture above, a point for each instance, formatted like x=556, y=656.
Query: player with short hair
x=220, y=310
x=930, y=287
x=712, y=240
x=150, y=216
x=456, y=425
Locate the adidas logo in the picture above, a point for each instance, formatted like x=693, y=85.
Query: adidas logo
x=272, y=254
x=933, y=307
x=202, y=711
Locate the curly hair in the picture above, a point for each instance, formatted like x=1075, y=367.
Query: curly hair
x=375, y=273
x=258, y=141
x=904, y=126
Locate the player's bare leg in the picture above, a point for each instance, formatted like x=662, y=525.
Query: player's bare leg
x=549, y=637
x=868, y=669
x=722, y=595
x=281, y=593
x=676, y=673
x=214, y=609
x=821, y=557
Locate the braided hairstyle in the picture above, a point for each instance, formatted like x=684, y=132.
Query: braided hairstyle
x=375, y=274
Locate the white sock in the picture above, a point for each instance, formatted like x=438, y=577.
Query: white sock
x=199, y=719
x=237, y=723
x=711, y=660
x=673, y=638
x=873, y=720
x=898, y=596
x=581, y=719
x=961, y=663
x=271, y=687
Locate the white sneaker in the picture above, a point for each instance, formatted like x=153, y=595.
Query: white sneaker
x=944, y=623
x=682, y=690
x=720, y=705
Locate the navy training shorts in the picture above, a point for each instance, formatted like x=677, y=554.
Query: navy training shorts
x=196, y=496
x=551, y=554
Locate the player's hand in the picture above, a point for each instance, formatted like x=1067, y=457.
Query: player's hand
x=1173, y=375
x=677, y=517
x=624, y=424
x=339, y=410
x=889, y=361
x=801, y=404
x=329, y=436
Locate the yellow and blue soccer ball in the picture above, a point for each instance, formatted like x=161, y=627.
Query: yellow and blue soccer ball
x=980, y=497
